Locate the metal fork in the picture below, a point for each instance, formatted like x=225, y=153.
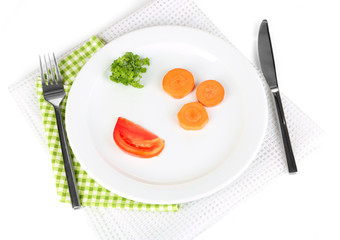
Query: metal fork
x=54, y=93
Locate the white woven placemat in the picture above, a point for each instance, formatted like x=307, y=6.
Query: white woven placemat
x=193, y=217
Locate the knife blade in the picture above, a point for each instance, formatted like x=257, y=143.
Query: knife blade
x=267, y=63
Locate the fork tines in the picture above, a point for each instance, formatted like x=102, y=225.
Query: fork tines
x=51, y=71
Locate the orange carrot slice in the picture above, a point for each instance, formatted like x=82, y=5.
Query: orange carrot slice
x=210, y=93
x=193, y=116
x=178, y=82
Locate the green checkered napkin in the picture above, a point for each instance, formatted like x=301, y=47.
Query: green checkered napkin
x=90, y=192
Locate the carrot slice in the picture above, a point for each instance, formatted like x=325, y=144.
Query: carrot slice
x=210, y=93
x=193, y=116
x=178, y=82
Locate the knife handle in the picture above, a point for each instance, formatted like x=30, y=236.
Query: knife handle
x=284, y=131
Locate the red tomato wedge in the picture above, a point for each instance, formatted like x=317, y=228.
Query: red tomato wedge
x=136, y=140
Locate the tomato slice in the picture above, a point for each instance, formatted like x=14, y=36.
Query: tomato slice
x=136, y=140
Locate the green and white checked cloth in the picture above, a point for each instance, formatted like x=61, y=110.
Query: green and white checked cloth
x=90, y=192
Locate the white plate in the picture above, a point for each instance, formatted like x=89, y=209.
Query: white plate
x=193, y=164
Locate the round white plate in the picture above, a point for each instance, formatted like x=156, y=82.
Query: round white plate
x=193, y=164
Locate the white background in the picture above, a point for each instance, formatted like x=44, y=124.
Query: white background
x=306, y=41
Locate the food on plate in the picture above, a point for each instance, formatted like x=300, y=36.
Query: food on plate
x=128, y=69
x=178, y=82
x=193, y=116
x=210, y=93
x=136, y=140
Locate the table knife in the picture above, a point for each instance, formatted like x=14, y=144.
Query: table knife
x=267, y=63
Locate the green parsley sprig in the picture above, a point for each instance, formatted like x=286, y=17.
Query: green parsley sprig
x=128, y=69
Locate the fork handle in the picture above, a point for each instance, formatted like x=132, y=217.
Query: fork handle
x=285, y=136
x=71, y=180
